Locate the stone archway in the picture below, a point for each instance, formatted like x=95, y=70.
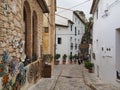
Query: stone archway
x=28, y=31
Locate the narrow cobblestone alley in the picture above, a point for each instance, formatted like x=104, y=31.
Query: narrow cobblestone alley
x=71, y=78
x=64, y=77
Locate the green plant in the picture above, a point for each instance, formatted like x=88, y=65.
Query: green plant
x=75, y=56
x=57, y=56
x=88, y=64
x=64, y=57
x=70, y=57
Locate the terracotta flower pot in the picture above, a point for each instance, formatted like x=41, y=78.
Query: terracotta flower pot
x=90, y=70
x=70, y=62
x=64, y=62
x=56, y=62
x=75, y=62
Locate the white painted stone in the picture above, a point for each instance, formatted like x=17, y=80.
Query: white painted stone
x=63, y=31
x=107, y=37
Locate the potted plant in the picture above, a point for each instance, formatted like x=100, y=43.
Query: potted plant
x=75, y=57
x=89, y=66
x=86, y=64
x=70, y=58
x=47, y=58
x=64, y=58
x=57, y=56
x=46, y=67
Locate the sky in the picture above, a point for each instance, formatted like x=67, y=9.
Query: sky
x=82, y=5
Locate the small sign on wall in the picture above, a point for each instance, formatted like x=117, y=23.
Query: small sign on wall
x=106, y=51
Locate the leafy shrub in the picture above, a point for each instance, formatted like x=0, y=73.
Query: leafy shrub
x=57, y=56
x=88, y=64
x=64, y=56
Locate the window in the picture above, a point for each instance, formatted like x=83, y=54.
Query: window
x=71, y=27
x=75, y=46
x=71, y=46
x=59, y=40
x=70, y=38
x=46, y=30
x=27, y=32
x=75, y=31
x=93, y=56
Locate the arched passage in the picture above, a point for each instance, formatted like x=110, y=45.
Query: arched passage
x=28, y=31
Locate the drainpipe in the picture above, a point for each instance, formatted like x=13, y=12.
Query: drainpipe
x=55, y=44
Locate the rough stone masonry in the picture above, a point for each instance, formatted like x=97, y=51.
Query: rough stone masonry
x=19, y=20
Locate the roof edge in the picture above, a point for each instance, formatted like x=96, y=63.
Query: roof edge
x=43, y=5
x=79, y=17
x=71, y=21
x=61, y=25
x=94, y=5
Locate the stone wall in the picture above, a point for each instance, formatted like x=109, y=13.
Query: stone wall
x=12, y=41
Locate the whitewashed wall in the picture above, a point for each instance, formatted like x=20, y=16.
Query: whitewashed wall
x=61, y=32
x=105, y=40
x=65, y=33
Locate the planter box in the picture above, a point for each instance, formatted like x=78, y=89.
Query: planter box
x=46, y=73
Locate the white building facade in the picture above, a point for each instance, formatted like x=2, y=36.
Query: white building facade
x=106, y=40
x=68, y=35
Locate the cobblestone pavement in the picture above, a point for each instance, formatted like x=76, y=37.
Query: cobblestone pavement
x=72, y=77
x=95, y=83
x=64, y=77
